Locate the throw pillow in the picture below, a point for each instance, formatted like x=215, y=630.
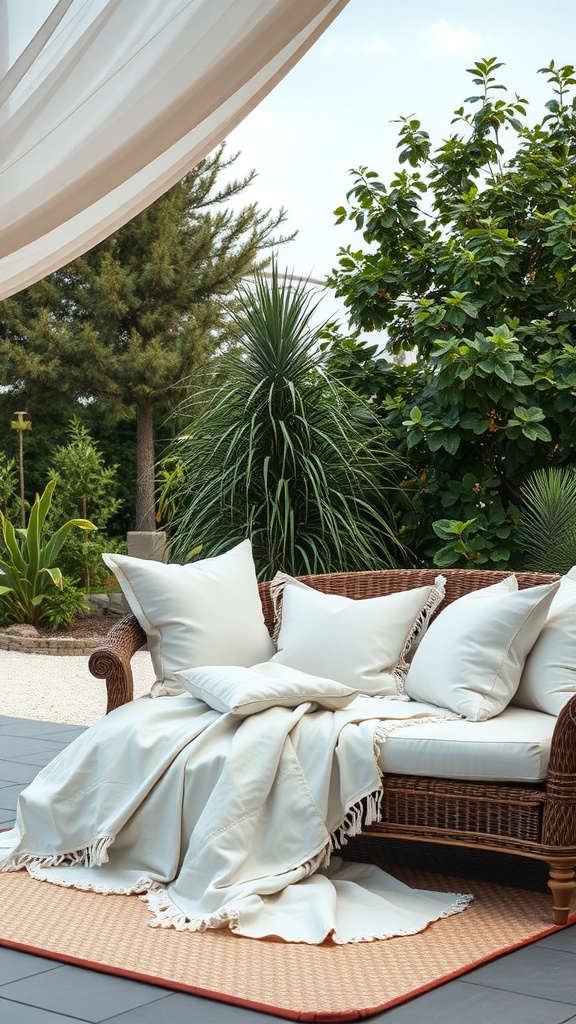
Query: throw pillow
x=471, y=658
x=363, y=643
x=245, y=691
x=549, y=677
x=204, y=613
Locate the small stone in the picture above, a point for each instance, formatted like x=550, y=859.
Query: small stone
x=22, y=629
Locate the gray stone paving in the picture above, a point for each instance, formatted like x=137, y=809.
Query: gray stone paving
x=534, y=985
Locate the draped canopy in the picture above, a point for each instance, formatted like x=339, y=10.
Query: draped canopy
x=105, y=104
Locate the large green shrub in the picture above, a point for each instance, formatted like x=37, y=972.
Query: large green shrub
x=86, y=487
x=277, y=457
x=469, y=267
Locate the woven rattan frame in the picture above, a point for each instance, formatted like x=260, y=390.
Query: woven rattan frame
x=534, y=821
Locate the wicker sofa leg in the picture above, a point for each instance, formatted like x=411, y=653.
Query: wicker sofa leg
x=562, y=883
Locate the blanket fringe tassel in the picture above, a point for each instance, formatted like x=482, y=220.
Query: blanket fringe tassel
x=358, y=816
x=168, y=915
x=91, y=856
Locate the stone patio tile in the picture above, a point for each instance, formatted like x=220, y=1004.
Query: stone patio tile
x=20, y=746
x=459, y=1003
x=19, y=1013
x=12, y=771
x=30, y=727
x=533, y=971
x=15, y=965
x=566, y=940
x=180, y=1008
x=86, y=995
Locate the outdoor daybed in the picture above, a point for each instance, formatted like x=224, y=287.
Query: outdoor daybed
x=507, y=784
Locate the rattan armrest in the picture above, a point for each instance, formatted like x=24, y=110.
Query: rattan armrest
x=111, y=660
x=563, y=747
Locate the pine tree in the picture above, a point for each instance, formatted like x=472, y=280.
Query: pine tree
x=132, y=321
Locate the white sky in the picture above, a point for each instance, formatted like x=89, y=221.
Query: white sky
x=380, y=60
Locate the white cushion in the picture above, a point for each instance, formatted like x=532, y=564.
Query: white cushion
x=471, y=658
x=205, y=613
x=513, y=747
x=362, y=644
x=245, y=691
x=549, y=677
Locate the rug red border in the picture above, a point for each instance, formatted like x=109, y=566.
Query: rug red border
x=321, y=1018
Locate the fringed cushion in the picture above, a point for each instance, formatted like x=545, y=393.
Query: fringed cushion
x=472, y=657
x=364, y=644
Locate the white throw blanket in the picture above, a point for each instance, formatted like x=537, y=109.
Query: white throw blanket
x=224, y=821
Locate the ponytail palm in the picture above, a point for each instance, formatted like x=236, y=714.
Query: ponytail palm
x=277, y=456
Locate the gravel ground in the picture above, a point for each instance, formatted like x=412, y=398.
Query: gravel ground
x=59, y=688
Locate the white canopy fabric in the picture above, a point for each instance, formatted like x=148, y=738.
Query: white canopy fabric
x=105, y=104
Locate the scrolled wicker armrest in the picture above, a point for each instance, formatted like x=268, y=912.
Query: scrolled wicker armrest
x=111, y=660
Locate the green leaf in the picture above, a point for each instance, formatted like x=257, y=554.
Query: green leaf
x=446, y=557
x=445, y=528
x=451, y=442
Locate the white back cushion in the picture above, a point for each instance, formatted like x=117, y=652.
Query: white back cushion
x=549, y=677
x=471, y=658
x=204, y=613
x=362, y=643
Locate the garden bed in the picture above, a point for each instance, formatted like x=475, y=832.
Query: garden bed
x=80, y=638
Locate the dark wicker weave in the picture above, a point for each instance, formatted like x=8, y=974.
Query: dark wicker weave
x=537, y=821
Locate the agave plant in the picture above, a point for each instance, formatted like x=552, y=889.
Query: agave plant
x=28, y=560
x=547, y=533
x=277, y=457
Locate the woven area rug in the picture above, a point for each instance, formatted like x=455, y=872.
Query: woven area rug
x=322, y=983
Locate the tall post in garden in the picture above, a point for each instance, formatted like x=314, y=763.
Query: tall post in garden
x=21, y=424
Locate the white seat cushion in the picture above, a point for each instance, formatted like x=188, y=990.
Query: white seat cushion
x=511, y=747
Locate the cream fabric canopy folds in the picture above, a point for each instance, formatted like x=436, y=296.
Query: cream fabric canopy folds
x=106, y=104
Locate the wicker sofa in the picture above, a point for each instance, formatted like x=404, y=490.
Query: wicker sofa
x=536, y=820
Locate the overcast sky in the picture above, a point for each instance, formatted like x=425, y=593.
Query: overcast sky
x=380, y=60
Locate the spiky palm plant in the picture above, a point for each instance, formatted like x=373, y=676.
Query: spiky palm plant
x=277, y=457
x=547, y=533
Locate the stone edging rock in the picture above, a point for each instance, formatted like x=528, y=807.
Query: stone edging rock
x=30, y=644
x=48, y=645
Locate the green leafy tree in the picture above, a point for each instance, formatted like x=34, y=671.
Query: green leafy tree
x=276, y=456
x=469, y=271
x=130, y=322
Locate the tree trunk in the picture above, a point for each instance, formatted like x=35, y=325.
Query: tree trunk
x=145, y=504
